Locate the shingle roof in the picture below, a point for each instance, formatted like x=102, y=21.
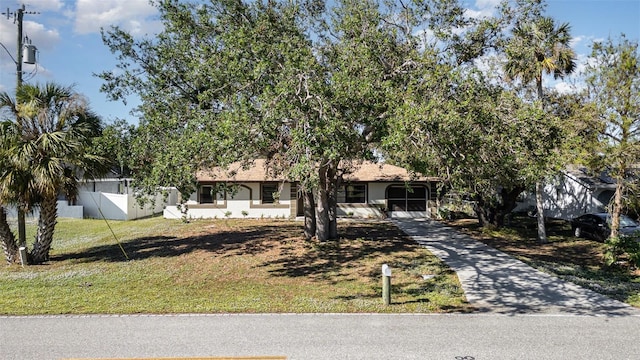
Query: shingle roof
x=364, y=172
x=369, y=171
x=602, y=180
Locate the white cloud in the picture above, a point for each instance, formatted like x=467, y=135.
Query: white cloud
x=582, y=60
x=564, y=87
x=135, y=16
x=483, y=9
x=44, y=5
x=576, y=41
x=482, y=4
x=40, y=36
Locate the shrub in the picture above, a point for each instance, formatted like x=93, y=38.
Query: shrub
x=617, y=247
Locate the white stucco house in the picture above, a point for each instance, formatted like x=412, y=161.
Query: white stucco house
x=572, y=193
x=369, y=191
x=113, y=198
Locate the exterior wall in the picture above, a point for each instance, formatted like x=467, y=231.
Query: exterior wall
x=566, y=198
x=245, y=203
x=113, y=206
x=120, y=206
x=377, y=203
x=64, y=211
x=366, y=211
x=112, y=186
x=70, y=211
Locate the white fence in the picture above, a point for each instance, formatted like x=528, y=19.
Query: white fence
x=111, y=206
x=120, y=206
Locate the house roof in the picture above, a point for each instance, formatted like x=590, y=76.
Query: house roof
x=258, y=172
x=601, y=181
x=383, y=172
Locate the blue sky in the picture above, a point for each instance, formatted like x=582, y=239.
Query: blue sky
x=70, y=50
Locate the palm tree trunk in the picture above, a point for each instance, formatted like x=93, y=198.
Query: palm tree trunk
x=46, y=227
x=7, y=238
x=542, y=231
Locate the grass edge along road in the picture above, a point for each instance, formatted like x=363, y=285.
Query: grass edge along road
x=227, y=266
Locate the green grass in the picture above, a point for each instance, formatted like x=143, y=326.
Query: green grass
x=225, y=266
x=576, y=260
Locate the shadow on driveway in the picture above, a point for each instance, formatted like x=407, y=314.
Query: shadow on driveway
x=495, y=282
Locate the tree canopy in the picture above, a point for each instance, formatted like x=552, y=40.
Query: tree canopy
x=313, y=88
x=613, y=79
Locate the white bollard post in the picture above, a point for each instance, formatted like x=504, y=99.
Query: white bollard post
x=23, y=255
x=386, y=284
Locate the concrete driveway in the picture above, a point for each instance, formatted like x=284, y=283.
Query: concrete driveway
x=497, y=283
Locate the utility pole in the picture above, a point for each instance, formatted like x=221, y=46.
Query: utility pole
x=18, y=17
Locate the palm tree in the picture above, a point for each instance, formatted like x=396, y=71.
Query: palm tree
x=538, y=47
x=55, y=130
x=8, y=137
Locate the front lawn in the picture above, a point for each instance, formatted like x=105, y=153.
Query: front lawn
x=221, y=266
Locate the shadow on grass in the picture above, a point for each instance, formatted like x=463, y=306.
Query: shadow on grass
x=519, y=238
x=358, y=241
x=226, y=243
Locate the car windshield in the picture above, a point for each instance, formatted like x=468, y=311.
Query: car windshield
x=626, y=221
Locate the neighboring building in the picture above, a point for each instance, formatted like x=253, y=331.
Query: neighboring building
x=572, y=193
x=370, y=191
x=113, y=198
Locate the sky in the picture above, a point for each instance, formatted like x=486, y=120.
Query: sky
x=70, y=49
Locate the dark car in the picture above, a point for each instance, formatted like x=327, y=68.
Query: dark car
x=597, y=226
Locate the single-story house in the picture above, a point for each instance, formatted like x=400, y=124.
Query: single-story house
x=572, y=193
x=371, y=190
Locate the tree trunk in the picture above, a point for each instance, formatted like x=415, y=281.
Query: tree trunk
x=332, y=193
x=7, y=238
x=493, y=214
x=542, y=232
x=322, y=207
x=46, y=227
x=617, y=209
x=309, y=215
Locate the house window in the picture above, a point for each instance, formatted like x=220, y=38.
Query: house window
x=352, y=194
x=268, y=193
x=206, y=194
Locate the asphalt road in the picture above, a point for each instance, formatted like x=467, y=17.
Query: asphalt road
x=311, y=336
